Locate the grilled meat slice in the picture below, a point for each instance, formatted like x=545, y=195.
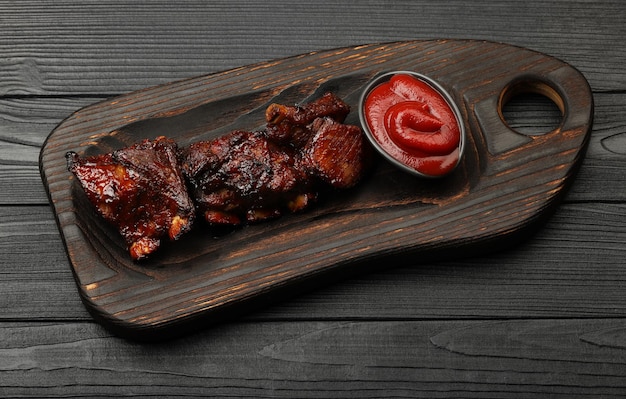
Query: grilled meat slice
x=244, y=177
x=248, y=177
x=291, y=124
x=140, y=190
x=252, y=176
x=335, y=153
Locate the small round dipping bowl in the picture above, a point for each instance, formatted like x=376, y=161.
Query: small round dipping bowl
x=391, y=155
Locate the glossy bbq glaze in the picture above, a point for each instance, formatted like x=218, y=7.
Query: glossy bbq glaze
x=140, y=190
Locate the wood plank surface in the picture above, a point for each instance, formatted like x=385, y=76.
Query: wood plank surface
x=432, y=359
x=110, y=47
x=545, y=319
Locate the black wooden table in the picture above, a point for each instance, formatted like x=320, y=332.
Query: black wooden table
x=546, y=318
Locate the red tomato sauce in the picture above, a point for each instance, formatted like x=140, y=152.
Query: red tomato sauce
x=414, y=124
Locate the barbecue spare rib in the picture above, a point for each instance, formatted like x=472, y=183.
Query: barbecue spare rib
x=140, y=190
x=252, y=176
x=154, y=189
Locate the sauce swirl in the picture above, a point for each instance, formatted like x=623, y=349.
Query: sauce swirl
x=413, y=123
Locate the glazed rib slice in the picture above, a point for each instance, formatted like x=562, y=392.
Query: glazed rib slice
x=292, y=124
x=140, y=190
x=244, y=177
x=336, y=153
x=252, y=176
x=331, y=151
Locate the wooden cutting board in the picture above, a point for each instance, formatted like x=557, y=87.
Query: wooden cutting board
x=506, y=185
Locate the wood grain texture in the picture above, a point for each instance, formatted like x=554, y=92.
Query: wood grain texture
x=108, y=47
x=471, y=359
x=506, y=184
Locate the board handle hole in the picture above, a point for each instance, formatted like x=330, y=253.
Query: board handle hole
x=531, y=107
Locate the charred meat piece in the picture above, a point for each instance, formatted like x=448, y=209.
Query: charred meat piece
x=244, y=177
x=140, y=190
x=251, y=176
x=335, y=153
x=291, y=123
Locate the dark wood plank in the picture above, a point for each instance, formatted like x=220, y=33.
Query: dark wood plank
x=114, y=47
x=24, y=125
x=571, y=268
x=36, y=282
x=472, y=359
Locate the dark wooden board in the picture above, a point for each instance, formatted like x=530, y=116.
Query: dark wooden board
x=507, y=184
